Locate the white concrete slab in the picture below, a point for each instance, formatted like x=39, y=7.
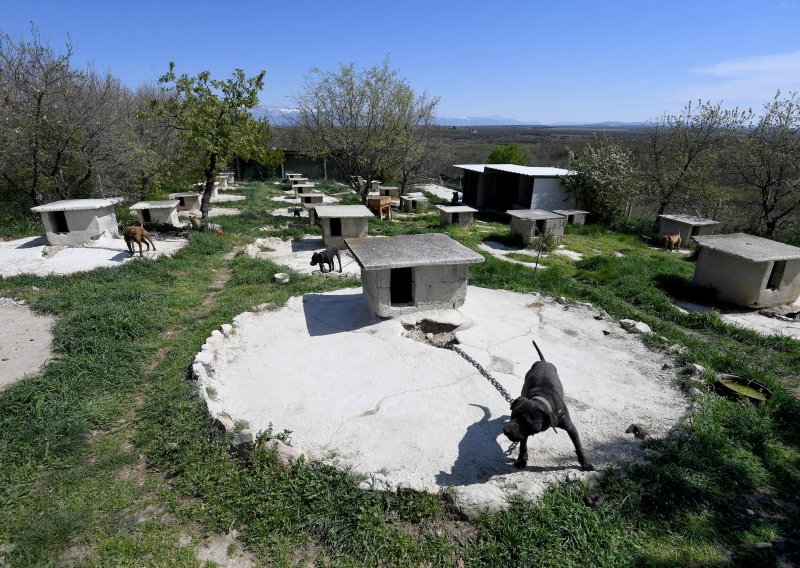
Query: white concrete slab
x=356, y=392
x=228, y=197
x=33, y=255
x=297, y=254
x=26, y=341
x=750, y=319
x=438, y=190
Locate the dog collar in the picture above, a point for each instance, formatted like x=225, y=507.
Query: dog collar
x=545, y=402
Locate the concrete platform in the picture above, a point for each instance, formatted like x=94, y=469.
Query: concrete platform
x=356, y=392
x=33, y=255
x=297, y=254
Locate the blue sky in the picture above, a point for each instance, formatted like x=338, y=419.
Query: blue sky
x=526, y=60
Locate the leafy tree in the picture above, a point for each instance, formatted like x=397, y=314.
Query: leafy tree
x=214, y=120
x=510, y=154
x=369, y=122
x=605, y=179
x=765, y=157
x=681, y=153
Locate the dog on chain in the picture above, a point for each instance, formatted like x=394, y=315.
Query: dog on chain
x=326, y=257
x=137, y=235
x=672, y=242
x=540, y=407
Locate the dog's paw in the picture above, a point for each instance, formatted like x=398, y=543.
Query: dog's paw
x=520, y=464
x=587, y=467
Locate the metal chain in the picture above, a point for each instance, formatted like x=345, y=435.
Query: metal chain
x=482, y=371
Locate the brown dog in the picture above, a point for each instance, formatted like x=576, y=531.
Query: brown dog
x=672, y=242
x=137, y=235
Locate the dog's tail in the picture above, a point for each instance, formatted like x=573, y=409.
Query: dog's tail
x=539, y=351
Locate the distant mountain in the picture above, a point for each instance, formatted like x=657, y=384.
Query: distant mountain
x=281, y=116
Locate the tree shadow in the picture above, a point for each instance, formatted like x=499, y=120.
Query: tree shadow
x=480, y=457
x=337, y=313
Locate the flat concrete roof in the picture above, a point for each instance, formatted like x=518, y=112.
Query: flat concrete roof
x=343, y=211
x=456, y=209
x=166, y=204
x=471, y=167
x=185, y=194
x=413, y=197
x=410, y=250
x=566, y=212
x=515, y=169
x=693, y=220
x=533, y=214
x=76, y=204
x=750, y=247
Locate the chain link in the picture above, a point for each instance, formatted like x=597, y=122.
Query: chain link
x=482, y=371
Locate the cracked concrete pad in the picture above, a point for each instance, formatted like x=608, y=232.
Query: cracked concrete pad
x=26, y=341
x=356, y=393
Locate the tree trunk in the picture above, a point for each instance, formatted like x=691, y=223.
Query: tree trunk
x=205, y=204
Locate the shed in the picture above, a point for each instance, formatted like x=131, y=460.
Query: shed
x=73, y=222
x=413, y=272
x=574, y=216
x=187, y=200
x=499, y=187
x=533, y=223
x=687, y=225
x=342, y=221
x=165, y=212
x=747, y=270
x=413, y=203
x=455, y=214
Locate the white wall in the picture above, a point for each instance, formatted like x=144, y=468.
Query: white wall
x=549, y=194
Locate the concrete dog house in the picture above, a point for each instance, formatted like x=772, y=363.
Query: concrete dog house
x=411, y=413
x=574, y=216
x=165, y=212
x=74, y=222
x=455, y=214
x=686, y=226
x=410, y=273
x=747, y=270
x=530, y=224
x=187, y=200
x=340, y=222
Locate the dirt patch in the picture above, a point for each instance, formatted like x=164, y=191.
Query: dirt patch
x=432, y=333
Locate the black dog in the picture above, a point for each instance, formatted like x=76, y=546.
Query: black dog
x=540, y=407
x=326, y=257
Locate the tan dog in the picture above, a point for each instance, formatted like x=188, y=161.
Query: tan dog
x=137, y=235
x=672, y=242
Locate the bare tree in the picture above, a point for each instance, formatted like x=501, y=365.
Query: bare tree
x=680, y=154
x=368, y=122
x=765, y=156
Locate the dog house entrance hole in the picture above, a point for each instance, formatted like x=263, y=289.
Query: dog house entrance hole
x=146, y=216
x=776, y=276
x=59, y=222
x=401, y=286
x=540, y=225
x=181, y=202
x=336, y=227
x=455, y=218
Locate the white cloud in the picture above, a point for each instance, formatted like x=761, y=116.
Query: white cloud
x=745, y=80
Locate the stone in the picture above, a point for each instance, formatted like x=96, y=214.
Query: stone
x=606, y=332
x=204, y=358
x=225, y=423
x=641, y=327
x=404, y=487
x=287, y=455
x=750, y=512
x=243, y=443
x=561, y=300
x=226, y=329
x=763, y=545
x=627, y=324
x=428, y=336
x=602, y=315
x=675, y=348
x=471, y=501
x=697, y=369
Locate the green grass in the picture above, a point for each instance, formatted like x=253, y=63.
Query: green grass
x=109, y=456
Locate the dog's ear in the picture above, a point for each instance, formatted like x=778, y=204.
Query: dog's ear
x=515, y=402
